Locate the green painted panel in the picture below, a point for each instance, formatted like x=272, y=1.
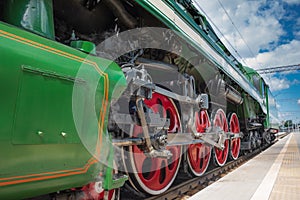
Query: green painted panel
x=36, y=122
x=52, y=88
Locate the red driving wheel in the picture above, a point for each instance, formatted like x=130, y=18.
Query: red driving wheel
x=235, y=145
x=219, y=120
x=155, y=175
x=199, y=154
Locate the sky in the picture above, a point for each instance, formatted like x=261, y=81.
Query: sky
x=264, y=33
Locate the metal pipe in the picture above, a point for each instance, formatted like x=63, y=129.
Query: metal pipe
x=233, y=95
x=141, y=113
x=128, y=141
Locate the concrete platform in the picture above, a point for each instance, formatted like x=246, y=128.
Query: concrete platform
x=273, y=174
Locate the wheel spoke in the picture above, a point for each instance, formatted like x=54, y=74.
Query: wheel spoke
x=199, y=154
x=220, y=156
x=235, y=142
x=155, y=175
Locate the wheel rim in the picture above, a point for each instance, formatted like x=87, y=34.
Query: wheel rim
x=155, y=175
x=199, y=154
x=235, y=142
x=220, y=121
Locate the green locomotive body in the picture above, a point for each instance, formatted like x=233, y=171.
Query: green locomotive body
x=42, y=148
x=66, y=103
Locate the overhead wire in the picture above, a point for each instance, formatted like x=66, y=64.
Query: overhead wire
x=268, y=76
x=235, y=27
x=220, y=32
x=261, y=70
x=250, y=50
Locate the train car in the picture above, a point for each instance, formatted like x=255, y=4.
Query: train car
x=99, y=93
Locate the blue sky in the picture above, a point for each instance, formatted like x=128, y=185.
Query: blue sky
x=268, y=35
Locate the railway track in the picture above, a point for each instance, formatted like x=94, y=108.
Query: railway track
x=185, y=187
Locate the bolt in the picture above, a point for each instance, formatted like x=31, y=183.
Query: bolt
x=63, y=134
x=40, y=133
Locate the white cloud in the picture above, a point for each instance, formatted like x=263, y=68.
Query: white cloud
x=280, y=83
x=277, y=84
x=296, y=29
x=297, y=34
x=291, y=72
x=253, y=22
x=286, y=54
x=298, y=101
x=259, y=24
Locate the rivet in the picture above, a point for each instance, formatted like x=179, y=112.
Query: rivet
x=63, y=134
x=40, y=133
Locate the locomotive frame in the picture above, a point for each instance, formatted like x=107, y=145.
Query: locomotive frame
x=82, y=119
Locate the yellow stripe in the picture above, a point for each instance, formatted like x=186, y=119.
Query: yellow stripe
x=78, y=59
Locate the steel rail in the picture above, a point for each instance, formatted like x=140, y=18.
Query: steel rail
x=201, y=182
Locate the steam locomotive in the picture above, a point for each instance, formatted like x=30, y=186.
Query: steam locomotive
x=99, y=93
